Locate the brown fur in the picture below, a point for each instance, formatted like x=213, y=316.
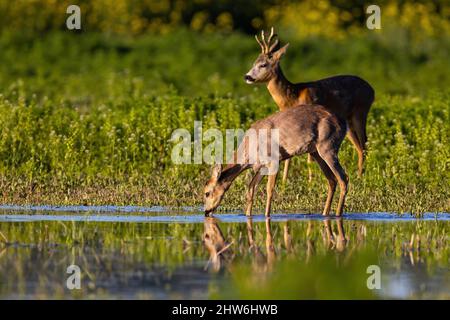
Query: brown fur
x=303, y=129
x=350, y=97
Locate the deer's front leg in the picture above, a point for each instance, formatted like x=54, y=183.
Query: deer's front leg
x=251, y=192
x=271, y=179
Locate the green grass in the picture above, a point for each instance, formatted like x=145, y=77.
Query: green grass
x=86, y=119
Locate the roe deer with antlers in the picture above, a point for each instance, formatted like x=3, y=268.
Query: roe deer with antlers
x=309, y=129
x=348, y=96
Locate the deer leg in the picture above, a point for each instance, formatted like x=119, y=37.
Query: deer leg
x=270, y=248
x=358, y=124
x=251, y=240
x=359, y=120
x=342, y=240
x=251, y=192
x=287, y=237
x=355, y=141
x=285, y=171
x=331, y=181
x=310, y=174
x=309, y=242
x=328, y=231
x=271, y=179
x=332, y=161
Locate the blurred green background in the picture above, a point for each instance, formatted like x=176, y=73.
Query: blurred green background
x=197, y=47
x=86, y=115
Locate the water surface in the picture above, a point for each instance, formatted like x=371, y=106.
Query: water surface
x=157, y=253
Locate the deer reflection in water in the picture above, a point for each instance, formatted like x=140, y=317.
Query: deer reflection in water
x=222, y=252
x=214, y=241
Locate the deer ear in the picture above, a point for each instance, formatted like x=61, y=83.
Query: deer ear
x=216, y=171
x=280, y=52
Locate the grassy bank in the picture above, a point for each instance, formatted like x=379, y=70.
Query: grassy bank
x=87, y=119
x=121, y=154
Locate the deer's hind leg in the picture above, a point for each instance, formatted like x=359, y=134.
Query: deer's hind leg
x=352, y=136
x=331, y=181
x=310, y=173
x=358, y=135
x=286, y=170
x=359, y=120
x=329, y=155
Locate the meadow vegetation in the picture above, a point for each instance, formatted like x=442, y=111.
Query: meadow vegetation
x=86, y=117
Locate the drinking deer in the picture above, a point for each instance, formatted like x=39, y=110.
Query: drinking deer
x=303, y=129
x=348, y=96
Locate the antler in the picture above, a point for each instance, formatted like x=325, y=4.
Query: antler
x=260, y=44
x=271, y=36
x=274, y=45
x=266, y=47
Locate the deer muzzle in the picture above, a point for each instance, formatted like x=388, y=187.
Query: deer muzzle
x=249, y=79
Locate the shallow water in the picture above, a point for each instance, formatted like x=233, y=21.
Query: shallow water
x=147, y=253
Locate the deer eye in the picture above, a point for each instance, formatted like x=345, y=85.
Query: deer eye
x=207, y=194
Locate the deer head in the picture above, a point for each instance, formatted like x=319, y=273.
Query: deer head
x=215, y=243
x=266, y=65
x=214, y=190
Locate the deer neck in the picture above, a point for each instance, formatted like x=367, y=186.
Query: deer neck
x=283, y=92
x=230, y=173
